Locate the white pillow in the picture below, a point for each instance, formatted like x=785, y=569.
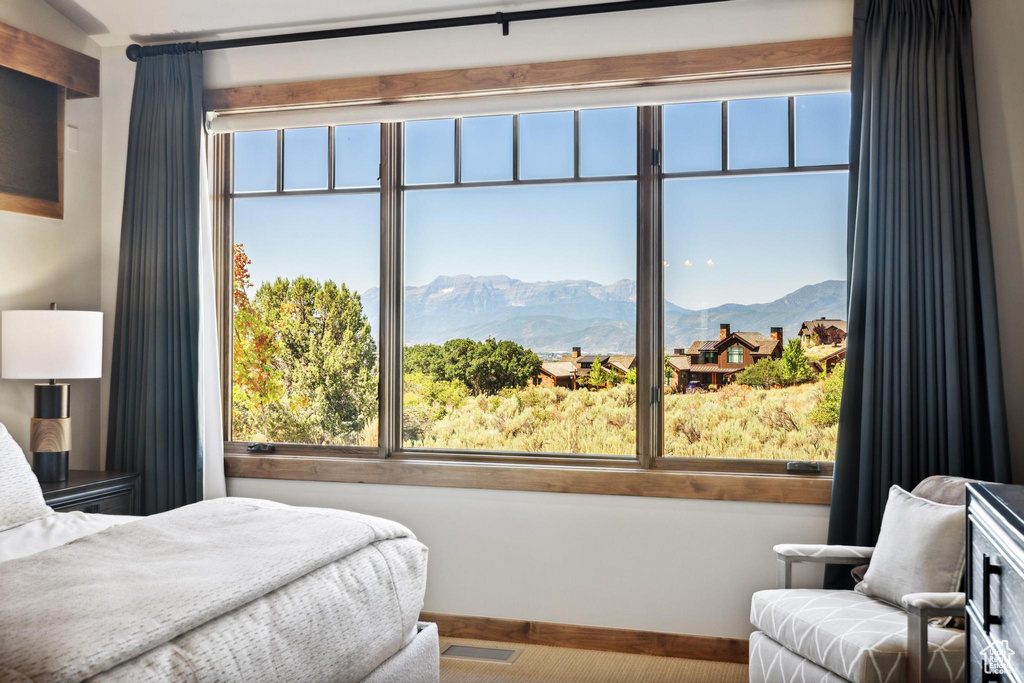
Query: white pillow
x=921, y=549
x=21, y=499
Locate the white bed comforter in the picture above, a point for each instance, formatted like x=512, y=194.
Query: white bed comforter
x=230, y=589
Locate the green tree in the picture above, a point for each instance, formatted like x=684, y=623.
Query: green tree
x=796, y=369
x=327, y=359
x=826, y=411
x=484, y=367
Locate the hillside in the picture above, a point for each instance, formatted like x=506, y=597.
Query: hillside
x=554, y=316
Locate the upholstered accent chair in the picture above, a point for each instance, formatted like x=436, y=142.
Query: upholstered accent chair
x=829, y=636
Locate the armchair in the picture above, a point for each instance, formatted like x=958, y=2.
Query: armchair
x=831, y=636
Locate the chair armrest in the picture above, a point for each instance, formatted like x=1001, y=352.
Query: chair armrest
x=831, y=554
x=788, y=553
x=932, y=602
x=920, y=608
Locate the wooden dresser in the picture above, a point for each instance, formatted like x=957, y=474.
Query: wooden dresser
x=109, y=493
x=995, y=583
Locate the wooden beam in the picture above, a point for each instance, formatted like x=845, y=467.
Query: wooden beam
x=616, y=481
x=35, y=56
x=659, y=644
x=805, y=56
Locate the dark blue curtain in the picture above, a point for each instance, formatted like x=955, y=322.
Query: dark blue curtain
x=152, y=427
x=923, y=390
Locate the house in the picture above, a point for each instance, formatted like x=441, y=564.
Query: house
x=821, y=331
x=716, y=362
x=556, y=374
x=619, y=364
x=827, y=362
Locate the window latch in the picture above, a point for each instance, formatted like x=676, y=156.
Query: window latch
x=655, y=395
x=655, y=157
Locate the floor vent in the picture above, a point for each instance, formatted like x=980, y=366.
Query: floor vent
x=482, y=654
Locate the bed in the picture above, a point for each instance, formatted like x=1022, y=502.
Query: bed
x=223, y=590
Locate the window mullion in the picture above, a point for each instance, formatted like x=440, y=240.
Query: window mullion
x=391, y=273
x=649, y=287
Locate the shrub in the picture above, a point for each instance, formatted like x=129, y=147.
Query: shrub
x=764, y=374
x=826, y=411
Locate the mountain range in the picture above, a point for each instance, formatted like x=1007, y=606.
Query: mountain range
x=552, y=317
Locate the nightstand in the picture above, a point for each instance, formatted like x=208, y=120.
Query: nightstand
x=109, y=493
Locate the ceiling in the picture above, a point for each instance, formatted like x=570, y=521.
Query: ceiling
x=119, y=22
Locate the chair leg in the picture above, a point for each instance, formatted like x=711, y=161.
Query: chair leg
x=917, y=647
x=783, y=573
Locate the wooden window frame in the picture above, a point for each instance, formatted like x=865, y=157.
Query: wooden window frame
x=646, y=474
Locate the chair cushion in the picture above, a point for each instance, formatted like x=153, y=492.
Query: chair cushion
x=856, y=637
x=21, y=499
x=772, y=663
x=921, y=549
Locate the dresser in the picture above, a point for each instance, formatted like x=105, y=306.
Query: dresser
x=108, y=493
x=995, y=582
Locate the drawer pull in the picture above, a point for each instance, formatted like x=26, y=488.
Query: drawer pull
x=987, y=570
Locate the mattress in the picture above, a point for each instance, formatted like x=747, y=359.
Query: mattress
x=338, y=622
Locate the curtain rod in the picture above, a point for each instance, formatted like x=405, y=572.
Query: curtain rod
x=136, y=52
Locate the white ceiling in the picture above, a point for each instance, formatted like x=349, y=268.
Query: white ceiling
x=119, y=22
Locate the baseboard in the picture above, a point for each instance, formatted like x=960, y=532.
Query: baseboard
x=711, y=648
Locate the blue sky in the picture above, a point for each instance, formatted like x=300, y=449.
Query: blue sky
x=727, y=240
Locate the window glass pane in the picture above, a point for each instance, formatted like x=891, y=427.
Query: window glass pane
x=608, y=142
x=305, y=159
x=822, y=129
x=256, y=161
x=486, y=148
x=520, y=318
x=723, y=296
x=430, y=151
x=546, y=145
x=693, y=137
x=357, y=155
x=305, y=319
x=759, y=133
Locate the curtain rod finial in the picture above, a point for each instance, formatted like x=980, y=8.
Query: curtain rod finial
x=133, y=52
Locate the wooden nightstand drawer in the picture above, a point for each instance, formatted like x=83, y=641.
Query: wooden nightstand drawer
x=117, y=504
x=108, y=493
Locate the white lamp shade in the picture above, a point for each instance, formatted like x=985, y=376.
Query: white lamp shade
x=51, y=344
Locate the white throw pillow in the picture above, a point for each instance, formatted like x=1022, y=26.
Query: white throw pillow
x=21, y=499
x=921, y=549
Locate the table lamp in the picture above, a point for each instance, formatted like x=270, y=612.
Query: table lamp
x=57, y=345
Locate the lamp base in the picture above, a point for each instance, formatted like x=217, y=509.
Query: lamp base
x=51, y=432
x=50, y=467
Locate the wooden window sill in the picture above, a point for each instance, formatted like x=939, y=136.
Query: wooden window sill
x=617, y=480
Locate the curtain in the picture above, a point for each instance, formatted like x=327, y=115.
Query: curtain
x=153, y=424
x=211, y=432
x=923, y=391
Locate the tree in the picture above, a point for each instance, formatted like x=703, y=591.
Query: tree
x=766, y=373
x=828, y=335
x=598, y=377
x=795, y=366
x=484, y=367
x=826, y=411
x=257, y=381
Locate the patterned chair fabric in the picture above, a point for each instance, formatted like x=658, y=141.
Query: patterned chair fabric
x=855, y=637
x=772, y=663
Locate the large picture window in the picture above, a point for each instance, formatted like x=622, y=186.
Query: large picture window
x=508, y=321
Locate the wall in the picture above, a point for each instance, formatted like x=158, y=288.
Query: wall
x=669, y=565
x=999, y=52
x=44, y=260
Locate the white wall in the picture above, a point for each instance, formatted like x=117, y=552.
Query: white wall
x=43, y=259
x=668, y=565
x=999, y=53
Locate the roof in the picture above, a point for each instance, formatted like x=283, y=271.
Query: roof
x=558, y=368
x=809, y=325
x=619, y=365
x=837, y=355
x=590, y=360
x=626, y=360
x=758, y=344
x=701, y=345
x=709, y=367
x=679, y=362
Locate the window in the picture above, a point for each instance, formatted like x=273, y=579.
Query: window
x=517, y=261
x=735, y=354
x=305, y=267
x=519, y=295
x=775, y=183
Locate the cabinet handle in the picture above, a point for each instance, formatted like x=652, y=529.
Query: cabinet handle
x=987, y=571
